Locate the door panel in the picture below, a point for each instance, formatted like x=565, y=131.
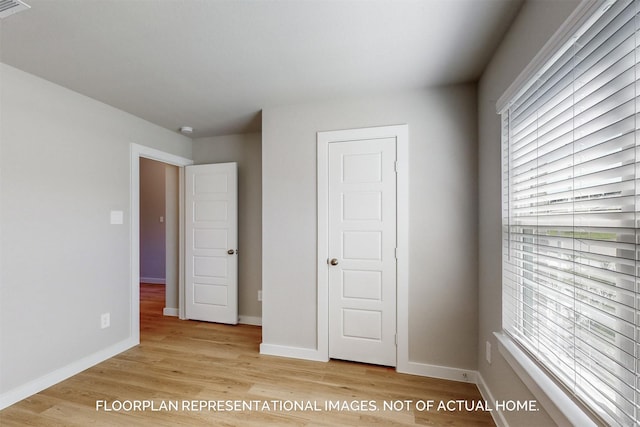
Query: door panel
x=363, y=324
x=211, y=295
x=211, y=283
x=210, y=239
x=362, y=284
x=361, y=245
x=362, y=206
x=362, y=239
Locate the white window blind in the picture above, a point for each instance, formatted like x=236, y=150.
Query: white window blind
x=571, y=215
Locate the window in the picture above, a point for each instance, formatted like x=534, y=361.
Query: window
x=571, y=214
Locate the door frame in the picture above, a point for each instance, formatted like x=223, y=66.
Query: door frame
x=136, y=152
x=401, y=135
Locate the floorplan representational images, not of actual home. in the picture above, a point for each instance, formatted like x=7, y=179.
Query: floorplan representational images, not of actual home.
x=328, y=175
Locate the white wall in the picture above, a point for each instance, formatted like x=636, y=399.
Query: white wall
x=152, y=231
x=536, y=23
x=443, y=218
x=65, y=165
x=246, y=150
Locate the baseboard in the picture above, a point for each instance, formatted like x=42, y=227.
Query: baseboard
x=413, y=368
x=153, y=280
x=456, y=374
x=293, y=352
x=442, y=372
x=35, y=386
x=250, y=320
x=498, y=416
x=168, y=311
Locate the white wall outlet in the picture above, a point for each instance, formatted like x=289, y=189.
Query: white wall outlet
x=260, y=295
x=105, y=320
x=117, y=217
x=488, y=352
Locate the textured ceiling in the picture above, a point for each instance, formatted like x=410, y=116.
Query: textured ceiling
x=215, y=64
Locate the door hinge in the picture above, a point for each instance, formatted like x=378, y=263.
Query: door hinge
x=396, y=253
x=395, y=337
x=395, y=166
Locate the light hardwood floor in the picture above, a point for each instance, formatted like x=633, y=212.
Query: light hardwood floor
x=182, y=361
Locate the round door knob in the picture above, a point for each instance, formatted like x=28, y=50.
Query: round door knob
x=334, y=261
x=231, y=251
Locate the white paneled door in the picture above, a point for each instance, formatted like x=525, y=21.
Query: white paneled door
x=362, y=250
x=211, y=242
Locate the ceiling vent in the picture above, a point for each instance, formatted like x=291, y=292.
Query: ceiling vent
x=9, y=7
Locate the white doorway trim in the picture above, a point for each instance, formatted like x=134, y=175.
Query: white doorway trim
x=137, y=151
x=401, y=134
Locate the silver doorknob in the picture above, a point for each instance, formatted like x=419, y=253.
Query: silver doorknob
x=231, y=252
x=334, y=261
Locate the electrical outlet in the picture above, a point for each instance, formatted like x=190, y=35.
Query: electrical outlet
x=488, y=352
x=105, y=320
x=260, y=295
x=117, y=217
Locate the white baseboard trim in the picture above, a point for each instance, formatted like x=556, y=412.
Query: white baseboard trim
x=498, y=416
x=35, y=386
x=442, y=372
x=250, y=320
x=412, y=368
x=153, y=280
x=293, y=352
x=169, y=311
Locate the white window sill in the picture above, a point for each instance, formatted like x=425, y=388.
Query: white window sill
x=560, y=406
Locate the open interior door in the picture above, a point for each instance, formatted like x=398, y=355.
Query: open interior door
x=211, y=243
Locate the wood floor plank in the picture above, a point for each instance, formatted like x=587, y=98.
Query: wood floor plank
x=185, y=362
